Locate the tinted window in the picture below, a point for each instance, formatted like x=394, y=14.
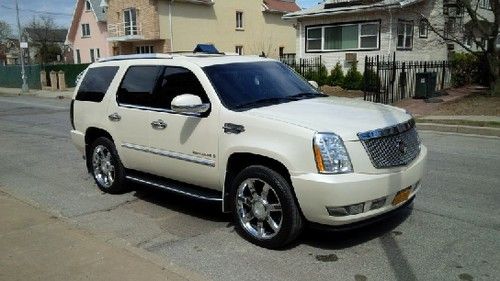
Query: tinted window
x=137, y=87
x=177, y=81
x=241, y=85
x=95, y=83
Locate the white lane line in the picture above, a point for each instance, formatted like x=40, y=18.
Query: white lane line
x=32, y=104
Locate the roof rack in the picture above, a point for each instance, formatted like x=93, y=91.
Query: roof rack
x=135, y=57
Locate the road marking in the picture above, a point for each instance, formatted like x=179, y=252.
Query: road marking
x=33, y=104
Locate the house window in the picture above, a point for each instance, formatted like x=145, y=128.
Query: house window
x=78, y=58
x=85, y=30
x=98, y=53
x=92, y=55
x=87, y=6
x=144, y=49
x=423, y=29
x=485, y=4
x=281, y=51
x=405, y=35
x=356, y=36
x=130, y=21
x=239, y=50
x=239, y=20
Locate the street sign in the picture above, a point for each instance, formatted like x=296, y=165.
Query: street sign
x=24, y=45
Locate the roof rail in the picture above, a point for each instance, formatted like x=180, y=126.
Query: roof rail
x=135, y=57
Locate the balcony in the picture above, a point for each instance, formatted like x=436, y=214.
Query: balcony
x=125, y=32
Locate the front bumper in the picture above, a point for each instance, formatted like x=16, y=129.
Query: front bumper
x=317, y=192
x=78, y=139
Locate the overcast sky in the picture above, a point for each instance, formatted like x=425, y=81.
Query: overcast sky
x=60, y=10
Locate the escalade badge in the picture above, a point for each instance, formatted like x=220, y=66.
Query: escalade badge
x=401, y=146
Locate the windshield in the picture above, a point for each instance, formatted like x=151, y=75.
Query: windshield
x=249, y=85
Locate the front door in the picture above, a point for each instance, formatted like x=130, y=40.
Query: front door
x=185, y=146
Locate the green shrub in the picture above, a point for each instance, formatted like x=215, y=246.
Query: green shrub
x=336, y=77
x=320, y=76
x=353, y=80
x=465, y=69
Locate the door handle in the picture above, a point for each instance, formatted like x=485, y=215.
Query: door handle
x=115, y=117
x=159, y=124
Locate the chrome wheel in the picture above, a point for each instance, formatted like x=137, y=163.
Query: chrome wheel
x=259, y=208
x=104, y=170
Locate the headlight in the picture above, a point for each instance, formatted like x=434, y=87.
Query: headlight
x=330, y=154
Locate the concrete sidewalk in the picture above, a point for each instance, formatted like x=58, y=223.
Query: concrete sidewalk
x=38, y=93
x=37, y=246
x=438, y=123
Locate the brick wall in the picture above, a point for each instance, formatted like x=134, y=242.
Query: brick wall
x=147, y=15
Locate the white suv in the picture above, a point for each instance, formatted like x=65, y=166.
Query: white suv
x=247, y=132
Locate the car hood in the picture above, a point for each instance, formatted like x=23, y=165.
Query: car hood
x=342, y=116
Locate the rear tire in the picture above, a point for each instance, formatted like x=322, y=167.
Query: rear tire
x=264, y=209
x=106, y=167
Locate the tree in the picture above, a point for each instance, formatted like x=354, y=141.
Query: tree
x=478, y=29
x=5, y=30
x=43, y=37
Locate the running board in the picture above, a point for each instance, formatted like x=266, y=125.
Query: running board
x=176, y=187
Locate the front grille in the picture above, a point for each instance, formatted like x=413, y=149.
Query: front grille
x=392, y=146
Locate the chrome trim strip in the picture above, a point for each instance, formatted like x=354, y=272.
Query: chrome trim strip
x=171, y=154
x=140, y=107
x=387, y=131
x=173, y=189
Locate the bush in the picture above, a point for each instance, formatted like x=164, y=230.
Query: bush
x=336, y=77
x=320, y=76
x=465, y=69
x=353, y=80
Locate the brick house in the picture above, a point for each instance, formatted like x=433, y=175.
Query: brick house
x=348, y=30
x=240, y=26
x=87, y=35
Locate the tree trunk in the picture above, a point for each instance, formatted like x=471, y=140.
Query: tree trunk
x=493, y=72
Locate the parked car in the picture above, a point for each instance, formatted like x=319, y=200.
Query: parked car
x=247, y=132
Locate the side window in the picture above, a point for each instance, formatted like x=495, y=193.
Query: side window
x=177, y=81
x=95, y=84
x=138, y=84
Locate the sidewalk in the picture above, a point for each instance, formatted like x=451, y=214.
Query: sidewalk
x=68, y=94
x=37, y=246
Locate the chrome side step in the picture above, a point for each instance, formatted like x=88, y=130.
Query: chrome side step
x=179, y=188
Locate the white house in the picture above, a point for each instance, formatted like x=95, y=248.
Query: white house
x=348, y=30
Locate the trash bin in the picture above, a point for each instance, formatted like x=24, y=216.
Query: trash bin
x=425, y=85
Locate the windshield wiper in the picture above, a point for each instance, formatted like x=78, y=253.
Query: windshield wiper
x=307, y=95
x=267, y=101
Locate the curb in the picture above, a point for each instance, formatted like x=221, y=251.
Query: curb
x=468, y=130
x=51, y=95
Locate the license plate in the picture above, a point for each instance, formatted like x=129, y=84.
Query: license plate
x=402, y=196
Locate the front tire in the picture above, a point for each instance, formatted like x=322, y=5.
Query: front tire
x=264, y=208
x=106, y=167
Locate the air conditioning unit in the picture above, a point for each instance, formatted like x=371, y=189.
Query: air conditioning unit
x=351, y=57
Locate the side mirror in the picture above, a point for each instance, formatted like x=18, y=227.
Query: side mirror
x=314, y=84
x=189, y=104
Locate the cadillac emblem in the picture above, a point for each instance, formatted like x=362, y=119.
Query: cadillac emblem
x=401, y=146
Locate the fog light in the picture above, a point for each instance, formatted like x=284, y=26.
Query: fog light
x=346, y=211
x=377, y=203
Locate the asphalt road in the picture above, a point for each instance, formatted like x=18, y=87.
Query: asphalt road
x=451, y=233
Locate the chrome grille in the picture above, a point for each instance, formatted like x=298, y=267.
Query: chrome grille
x=392, y=146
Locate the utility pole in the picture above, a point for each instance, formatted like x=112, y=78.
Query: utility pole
x=24, y=88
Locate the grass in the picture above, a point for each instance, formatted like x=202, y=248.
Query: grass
x=476, y=104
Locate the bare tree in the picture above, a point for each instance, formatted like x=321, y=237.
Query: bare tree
x=478, y=29
x=5, y=30
x=42, y=33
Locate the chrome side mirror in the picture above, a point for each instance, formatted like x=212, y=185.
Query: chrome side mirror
x=314, y=84
x=189, y=104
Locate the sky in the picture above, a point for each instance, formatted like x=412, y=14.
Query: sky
x=60, y=10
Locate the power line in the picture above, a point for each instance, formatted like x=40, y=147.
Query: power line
x=37, y=12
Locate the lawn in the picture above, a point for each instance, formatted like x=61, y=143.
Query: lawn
x=339, y=92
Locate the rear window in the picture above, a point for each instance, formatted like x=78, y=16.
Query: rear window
x=95, y=83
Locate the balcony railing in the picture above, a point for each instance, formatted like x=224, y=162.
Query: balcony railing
x=125, y=31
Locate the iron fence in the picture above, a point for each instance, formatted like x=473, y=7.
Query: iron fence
x=304, y=66
x=387, y=80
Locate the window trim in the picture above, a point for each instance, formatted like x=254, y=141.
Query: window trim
x=359, y=49
x=157, y=109
x=406, y=23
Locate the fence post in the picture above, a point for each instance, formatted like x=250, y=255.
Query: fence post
x=443, y=75
x=61, y=80
x=403, y=80
x=377, y=95
x=53, y=80
x=43, y=78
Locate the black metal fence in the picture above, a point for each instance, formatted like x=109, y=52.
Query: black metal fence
x=387, y=80
x=305, y=66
